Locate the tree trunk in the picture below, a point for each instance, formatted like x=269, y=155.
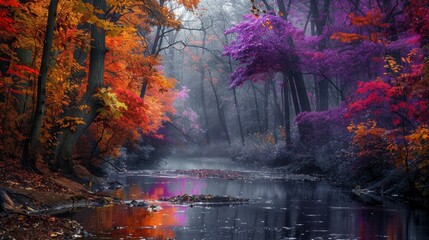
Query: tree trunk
x=25, y=58
x=203, y=103
x=301, y=91
x=29, y=158
x=296, y=105
x=157, y=43
x=323, y=94
x=171, y=71
x=276, y=105
x=266, y=94
x=298, y=79
x=219, y=112
x=300, y=101
x=240, y=126
x=22, y=99
x=69, y=138
x=78, y=75
x=235, y=95
x=305, y=130
x=286, y=108
x=144, y=87
x=256, y=106
x=156, y=40
x=319, y=22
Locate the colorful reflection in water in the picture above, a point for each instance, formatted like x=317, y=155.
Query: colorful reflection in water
x=155, y=188
x=120, y=221
x=279, y=210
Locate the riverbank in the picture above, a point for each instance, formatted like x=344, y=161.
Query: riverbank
x=280, y=206
x=338, y=164
x=34, y=198
x=29, y=200
x=370, y=181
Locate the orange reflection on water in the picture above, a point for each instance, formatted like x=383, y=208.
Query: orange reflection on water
x=395, y=228
x=120, y=221
x=157, y=190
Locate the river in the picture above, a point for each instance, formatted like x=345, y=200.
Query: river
x=278, y=209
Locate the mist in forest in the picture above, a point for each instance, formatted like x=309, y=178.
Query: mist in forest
x=304, y=118
x=326, y=86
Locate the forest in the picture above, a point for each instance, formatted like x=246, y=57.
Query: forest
x=93, y=92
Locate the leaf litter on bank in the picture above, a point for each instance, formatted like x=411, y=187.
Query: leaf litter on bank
x=17, y=226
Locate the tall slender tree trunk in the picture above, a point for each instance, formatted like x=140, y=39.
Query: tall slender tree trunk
x=256, y=106
x=235, y=98
x=276, y=105
x=171, y=70
x=22, y=99
x=154, y=50
x=80, y=54
x=301, y=102
x=286, y=108
x=219, y=112
x=156, y=40
x=301, y=91
x=25, y=58
x=266, y=94
x=240, y=126
x=296, y=105
x=29, y=157
x=69, y=138
x=319, y=23
x=203, y=104
x=305, y=130
x=323, y=94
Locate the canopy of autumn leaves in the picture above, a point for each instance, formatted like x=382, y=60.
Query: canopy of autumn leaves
x=124, y=116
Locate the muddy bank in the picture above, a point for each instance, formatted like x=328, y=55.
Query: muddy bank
x=29, y=213
x=29, y=201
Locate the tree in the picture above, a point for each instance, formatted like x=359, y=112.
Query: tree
x=260, y=49
x=29, y=158
x=69, y=137
x=320, y=20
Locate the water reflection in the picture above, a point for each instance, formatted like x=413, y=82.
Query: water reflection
x=118, y=222
x=198, y=163
x=279, y=210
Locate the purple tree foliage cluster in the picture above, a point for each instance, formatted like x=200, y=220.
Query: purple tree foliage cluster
x=262, y=45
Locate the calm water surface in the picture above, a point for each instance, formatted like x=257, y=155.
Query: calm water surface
x=278, y=210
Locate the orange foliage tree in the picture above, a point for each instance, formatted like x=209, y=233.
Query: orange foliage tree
x=121, y=115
